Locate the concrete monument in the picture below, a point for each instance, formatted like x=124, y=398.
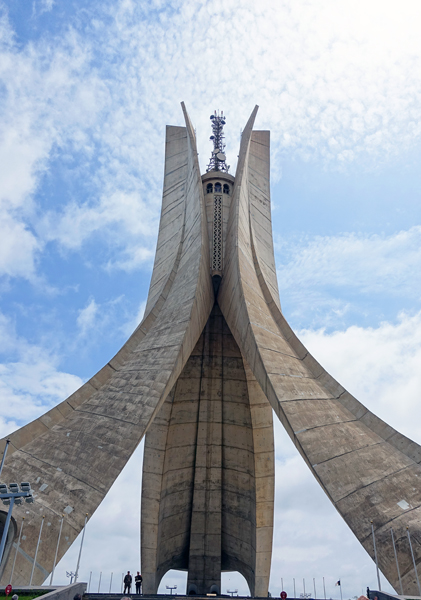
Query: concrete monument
x=201, y=376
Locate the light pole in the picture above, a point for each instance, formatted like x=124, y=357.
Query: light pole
x=71, y=575
x=11, y=496
x=171, y=587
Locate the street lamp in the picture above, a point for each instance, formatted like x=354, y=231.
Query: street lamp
x=11, y=496
x=171, y=587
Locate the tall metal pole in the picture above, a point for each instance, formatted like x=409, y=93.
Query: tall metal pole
x=99, y=583
x=304, y=587
x=396, y=558
x=295, y=595
x=111, y=581
x=282, y=585
x=314, y=585
x=6, y=528
x=340, y=587
x=55, y=557
x=17, y=548
x=122, y=580
x=80, y=549
x=4, y=455
x=413, y=560
x=324, y=587
x=375, y=556
x=36, y=551
x=89, y=584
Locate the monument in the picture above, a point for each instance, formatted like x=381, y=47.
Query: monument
x=201, y=376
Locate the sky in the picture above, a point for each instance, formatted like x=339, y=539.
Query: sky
x=86, y=89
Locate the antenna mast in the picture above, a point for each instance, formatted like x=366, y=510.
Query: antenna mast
x=218, y=158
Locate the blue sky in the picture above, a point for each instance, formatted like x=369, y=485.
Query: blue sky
x=86, y=89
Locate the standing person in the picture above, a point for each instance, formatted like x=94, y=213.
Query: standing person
x=127, y=582
x=138, y=582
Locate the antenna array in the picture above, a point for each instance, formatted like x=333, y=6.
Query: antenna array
x=218, y=158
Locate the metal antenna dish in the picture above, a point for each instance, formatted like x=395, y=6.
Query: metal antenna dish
x=217, y=161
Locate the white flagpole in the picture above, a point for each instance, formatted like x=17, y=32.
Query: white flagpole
x=80, y=549
x=89, y=584
x=375, y=556
x=99, y=584
x=324, y=587
x=314, y=585
x=17, y=549
x=282, y=585
x=413, y=560
x=295, y=595
x=396, y=558
x=36, y=551
x=304, y=587
x=111, y=581
x=55, y=557
x=340, y=588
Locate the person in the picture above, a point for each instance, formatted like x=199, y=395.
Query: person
x=76, y=597
x=127, y=582
x=138, y=582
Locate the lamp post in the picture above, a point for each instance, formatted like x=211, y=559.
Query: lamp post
x=171, y=587
x=11, y=496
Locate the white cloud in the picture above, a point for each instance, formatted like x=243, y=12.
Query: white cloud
x=380, y=366
x=334, y=81
x=86, y=317
x=31, y=386
x=315, y=272
x=18, y=248
x=30, y=379
x=131, y=324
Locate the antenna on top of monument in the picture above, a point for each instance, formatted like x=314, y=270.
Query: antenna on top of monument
x=218, y=158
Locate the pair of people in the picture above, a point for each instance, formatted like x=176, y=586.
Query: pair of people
x=128, y=582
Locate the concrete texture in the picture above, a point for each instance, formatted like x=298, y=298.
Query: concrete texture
x=200, y=376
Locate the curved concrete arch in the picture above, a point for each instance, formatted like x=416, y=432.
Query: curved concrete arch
x=78, y=458
x=365, y=467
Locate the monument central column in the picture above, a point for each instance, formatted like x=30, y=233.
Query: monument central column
x=205, y=536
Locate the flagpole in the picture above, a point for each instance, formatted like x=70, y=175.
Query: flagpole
x=375, y=556
x=36, y=551
x=295, y=595
x=55, y=557
x=282, y=585
x=340, y=588
x=17, y=549
x=80, y=550
x=324, y=587
x=413, y=560
x=397, y=563
x=314, y=584
x=304, y=587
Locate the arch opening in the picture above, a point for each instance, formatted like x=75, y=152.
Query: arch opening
x=234, y=580
x=171, y=578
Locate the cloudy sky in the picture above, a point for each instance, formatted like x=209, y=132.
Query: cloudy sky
x=86, y=89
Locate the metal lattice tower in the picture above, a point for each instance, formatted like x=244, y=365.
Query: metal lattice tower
x=218, y=158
